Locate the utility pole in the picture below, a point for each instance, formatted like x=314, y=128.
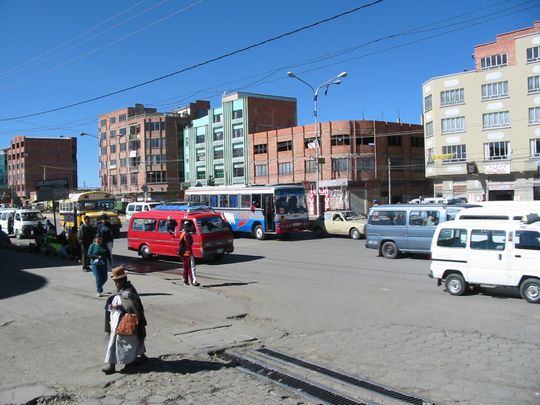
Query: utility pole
x=389, y=181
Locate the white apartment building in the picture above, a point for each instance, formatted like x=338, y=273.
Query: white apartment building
x=482, y=127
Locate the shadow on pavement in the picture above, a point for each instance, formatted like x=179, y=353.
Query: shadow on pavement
x=152, y=294
x=234, y=258
x=228, y=284
x=183, y=366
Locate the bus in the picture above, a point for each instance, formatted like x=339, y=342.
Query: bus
x=91, y=203
x=257, y=210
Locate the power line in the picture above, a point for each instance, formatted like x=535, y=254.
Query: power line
x=208, y=61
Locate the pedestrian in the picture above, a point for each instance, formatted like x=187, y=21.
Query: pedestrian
x=185, y=251
x=105, y=229
x=171, y=225
x=85, y=236
x=39, y=235
x=126, y=340
x=98, y=254
x=50, y=228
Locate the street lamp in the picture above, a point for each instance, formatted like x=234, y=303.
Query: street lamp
x=87, y=134
x=335, y=80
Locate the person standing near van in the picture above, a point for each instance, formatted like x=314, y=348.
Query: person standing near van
x=185, y=251
x=85, y=236
x=105, y=230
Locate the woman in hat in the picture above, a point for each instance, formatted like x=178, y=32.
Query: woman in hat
x=124, y=348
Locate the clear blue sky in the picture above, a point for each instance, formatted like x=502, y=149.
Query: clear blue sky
x=55, y=53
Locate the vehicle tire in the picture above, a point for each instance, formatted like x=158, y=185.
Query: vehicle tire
x=258, y=232
x=455, y=284
x=389, y=250
x=354, y=233
x=145, y=252
x=530, y=290
x=18, y=234
x=319, y=233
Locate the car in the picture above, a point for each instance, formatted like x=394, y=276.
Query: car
x=343, y=222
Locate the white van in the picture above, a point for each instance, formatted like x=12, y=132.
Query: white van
x=467, y=253
x=509, y=213
x=7, y=217
x=25, y=220
x=134, y=207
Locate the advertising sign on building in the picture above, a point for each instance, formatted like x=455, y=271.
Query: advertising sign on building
x=497, y=168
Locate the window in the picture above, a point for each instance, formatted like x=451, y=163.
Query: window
x=394, y=141
x=113, y=133
x=199, y=138
x=365, y=163
x=336, y=140
x=218, y=153
x=112, y=148
x=112, y=120
x=201, y=173
x=285, y=168
x=134, y=178
x=103, y=135
x=236, y=114
x=533, y=84
x=484, y=239
x=340, y=165
x=424, y=218
x=155, y=143
x=534, y=115
x=493, y=61
x=155, y=159
x=450, y=97
x=112, y=164
x=219, y=172
x=379, y=217
x=428, y=103
x=217, y=118
x=156, y=177
x=200, y=155
x=529, y=240
x=122, y=131
x=451, y=125
x=310, y=166
x=533, y=54
x=455, y=153
x=123, y=179
x=122, y=117
x=417, y=142
x=535, y=147
x=261, y=148
x=429, y=129
x=499, y=119
x=365, y=140
x=218, y=135
x=284, y=146
x=261, y=170
x=238, y=150
x=452, y=238
x=238, y=131
x=123, y=147
x=497, y=150
x=123, y=162
x=102, y=123
x=238, y=170
x=417, y=164
x=154, y=126
x=491, y=91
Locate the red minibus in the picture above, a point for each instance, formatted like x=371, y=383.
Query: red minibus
x=148, y=234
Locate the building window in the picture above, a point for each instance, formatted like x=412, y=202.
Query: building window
x=336, y=140
x=218, y=135
x=217, y=118
x=123, y=147
x=201, y=173
x=122, y=117
x=450, y=97
x=134, y=162
x=451, y=125
x=535, y=147
x=102, y=123
x=310, y=166
x=285, y=168
x=238, y=150
x=155, y=159
x=103, y=135
x=429, y=156
x=199, y=138
x=340, y=165
x=134, y=179
x=123, y=162
x=365, y=140
x=112, y=164
x=497, y=150
x=366, y=164
x=534, y=115
x=103, y=150
x=112, y=120
x=200, y=155
x=155, y=143
x=396, y=164
x=156, y=177
x=113, y=180
x=454, y=153
x=123, y=179
x=394, y=141
x=236, y=114
x=533, y=84
x=261, y=170
x=219, y=172
x=492, y=91
x=429, y=129
x=122, y=131
x=493, y=61
x=238, y=170
x=533, y=54
x=284, y=146
x=238, y=131
x=112, y=148
x=417, y=142
x=218, y=153
x=499, y=119
x=113, y=133
x=417, y=164
x=261, y=148
x=428, y=103
x=154, y=126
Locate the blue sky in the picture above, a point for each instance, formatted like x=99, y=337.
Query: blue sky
x=56, y=53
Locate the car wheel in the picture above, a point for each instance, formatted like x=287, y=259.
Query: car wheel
x=319, y=233
x=389, y=250
x=18, y=234
x=530, y=290
x=258, y=232
x=354, y=233
x=455, y=284
x=146, y=253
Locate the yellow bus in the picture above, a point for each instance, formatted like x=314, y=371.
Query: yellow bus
x=91, y=203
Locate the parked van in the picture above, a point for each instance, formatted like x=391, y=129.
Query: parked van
x=24, y=222
x=396, y=228
x=7, y=218
x=508, y=213
x=148, y=235
x=134, y=207
x=467, y=253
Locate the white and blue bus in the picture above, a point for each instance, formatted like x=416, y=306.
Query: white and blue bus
x=257, y=210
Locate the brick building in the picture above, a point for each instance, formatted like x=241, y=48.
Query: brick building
x=141, y=151
x=355, y=169
x=30, y=159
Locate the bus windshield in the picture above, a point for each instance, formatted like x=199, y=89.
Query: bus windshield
x=97, y=205
x=289, y=201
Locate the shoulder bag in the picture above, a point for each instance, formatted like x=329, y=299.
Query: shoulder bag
x=127, y=325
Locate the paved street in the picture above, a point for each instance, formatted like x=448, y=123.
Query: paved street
x=329, y=301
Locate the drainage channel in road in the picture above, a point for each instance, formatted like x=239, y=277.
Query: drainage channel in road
x=317, y=382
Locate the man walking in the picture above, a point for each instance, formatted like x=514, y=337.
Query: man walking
x=85, y=236
x=105, y=230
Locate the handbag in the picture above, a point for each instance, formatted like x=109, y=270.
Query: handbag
x=127, y=325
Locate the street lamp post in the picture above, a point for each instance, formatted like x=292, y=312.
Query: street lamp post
x=87, y=134
x=335, y=80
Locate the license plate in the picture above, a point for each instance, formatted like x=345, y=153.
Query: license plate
x=220, y=250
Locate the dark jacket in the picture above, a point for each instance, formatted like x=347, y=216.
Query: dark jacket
x=85, y=235
x=106, y=231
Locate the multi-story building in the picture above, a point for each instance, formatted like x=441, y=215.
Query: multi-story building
x=4, y=188
x=30, y=159
x=216, y=145
x=358, y=158
x=141, y=151
x=482, y=127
